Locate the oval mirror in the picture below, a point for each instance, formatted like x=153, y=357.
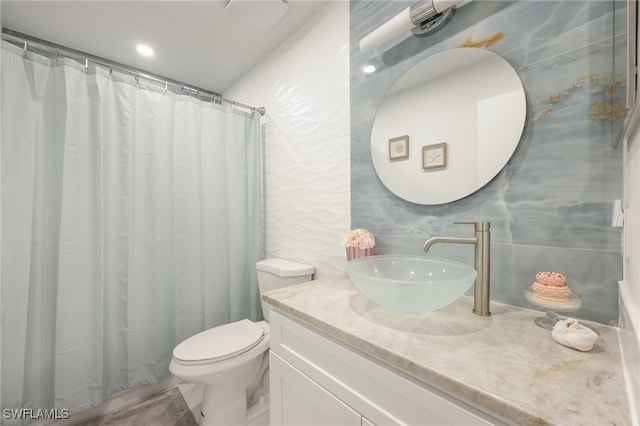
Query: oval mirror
x=448, y=126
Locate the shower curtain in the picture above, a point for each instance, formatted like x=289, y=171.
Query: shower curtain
x=131, y=220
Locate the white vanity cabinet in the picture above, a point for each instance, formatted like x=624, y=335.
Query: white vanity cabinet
x=317, y=381
x=301, y=401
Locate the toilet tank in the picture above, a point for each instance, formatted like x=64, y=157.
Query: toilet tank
x=278, y=273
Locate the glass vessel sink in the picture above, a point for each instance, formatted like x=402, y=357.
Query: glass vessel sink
x=411, y=283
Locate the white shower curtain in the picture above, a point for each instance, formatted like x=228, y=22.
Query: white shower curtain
x=131, y=219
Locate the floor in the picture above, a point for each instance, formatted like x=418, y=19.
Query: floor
x=167, y=408
x=136, y=407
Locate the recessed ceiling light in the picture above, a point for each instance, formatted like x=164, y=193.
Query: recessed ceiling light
x=369, y=69
x=144, y=50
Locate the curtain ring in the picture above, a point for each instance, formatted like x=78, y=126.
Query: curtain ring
x=86, y=64
x=24, y=49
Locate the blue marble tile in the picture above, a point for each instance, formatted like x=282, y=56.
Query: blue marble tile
x=593, y=274
x=550, y=206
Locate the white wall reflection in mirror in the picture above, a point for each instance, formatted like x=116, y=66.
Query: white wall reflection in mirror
x=469, y=98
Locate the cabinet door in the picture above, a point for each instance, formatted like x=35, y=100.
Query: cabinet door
x=297, y=400
x=381, y=395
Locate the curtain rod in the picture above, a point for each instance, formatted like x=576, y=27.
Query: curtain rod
x=137, y=74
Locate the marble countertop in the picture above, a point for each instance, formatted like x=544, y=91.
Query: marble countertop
x=504, y=364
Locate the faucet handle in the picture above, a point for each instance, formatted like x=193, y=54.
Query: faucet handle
x=479, y=226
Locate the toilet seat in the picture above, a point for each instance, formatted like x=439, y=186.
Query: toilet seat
x=219, y=343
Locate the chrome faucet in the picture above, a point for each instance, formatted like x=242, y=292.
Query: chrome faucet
x=481, y=243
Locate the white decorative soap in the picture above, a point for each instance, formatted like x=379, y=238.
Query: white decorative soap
x=571, y=333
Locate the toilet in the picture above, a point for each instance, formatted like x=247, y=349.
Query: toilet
x=231, y=358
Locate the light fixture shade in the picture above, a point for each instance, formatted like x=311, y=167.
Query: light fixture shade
x=257, y=14
x=422, y=18
x=401, y=23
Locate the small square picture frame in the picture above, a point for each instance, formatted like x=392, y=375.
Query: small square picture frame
x=399, y=148
x=434, y=156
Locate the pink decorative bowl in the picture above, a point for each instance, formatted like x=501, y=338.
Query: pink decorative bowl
x=356, y=252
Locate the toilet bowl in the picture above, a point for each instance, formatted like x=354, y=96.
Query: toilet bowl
x=230, y=358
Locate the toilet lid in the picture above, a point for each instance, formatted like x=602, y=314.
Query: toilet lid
x=218, y=343
x=284, y=268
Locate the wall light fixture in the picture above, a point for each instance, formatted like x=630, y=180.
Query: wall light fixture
x=422, y=18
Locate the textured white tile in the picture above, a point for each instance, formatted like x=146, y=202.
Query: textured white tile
x=318, y=219
x=304, y=85
x=325, y=38
x=320, y=115
x=317, y=83
x=319, y=168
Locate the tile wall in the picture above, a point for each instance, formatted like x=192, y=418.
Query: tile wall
x=304, y=85
x=550, y=207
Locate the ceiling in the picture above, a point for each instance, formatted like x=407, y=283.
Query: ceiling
x=195, y=42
